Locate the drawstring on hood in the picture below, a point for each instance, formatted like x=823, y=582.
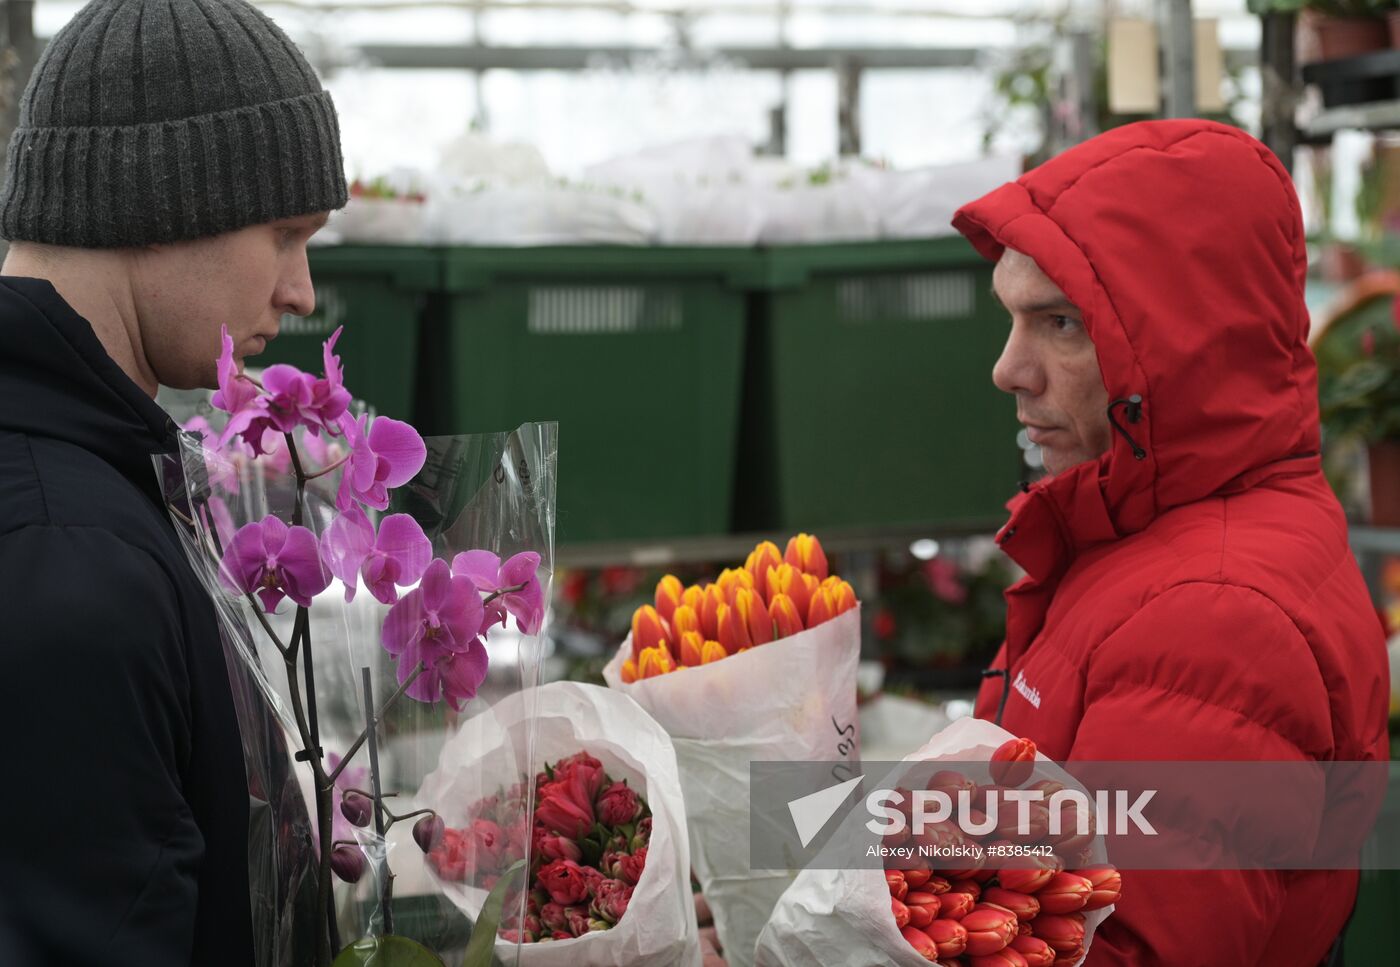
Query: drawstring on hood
x=1134, y=413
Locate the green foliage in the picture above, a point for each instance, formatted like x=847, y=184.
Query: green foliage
x=388, y=951
x=1359, y=375
x=481, y=948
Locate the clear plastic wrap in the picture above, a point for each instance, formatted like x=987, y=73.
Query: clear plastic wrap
x=485, y=492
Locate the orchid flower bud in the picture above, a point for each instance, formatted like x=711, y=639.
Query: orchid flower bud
x=356, y=808
x=348, y=863
x=428, y=832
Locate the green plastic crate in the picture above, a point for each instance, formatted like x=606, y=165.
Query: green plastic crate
x=379, y=294
x=636, y=352
x=870, y=392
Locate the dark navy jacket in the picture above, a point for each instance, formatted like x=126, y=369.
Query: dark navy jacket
x=123, y=802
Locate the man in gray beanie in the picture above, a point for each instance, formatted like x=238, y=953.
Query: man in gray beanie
x=171, y=161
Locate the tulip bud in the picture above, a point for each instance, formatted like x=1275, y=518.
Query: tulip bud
x=1064, y=934
x=754, y=615
x=1023, y=929
x=648, y=631
x=668, y=595
x=348, y=863
x=1064, y=830
x=923, y=908
x=629, y=671
x=1107, y=883
x=1065, y=893
x=901, y=913
x=951, y=782
x=786, y=621
x=949, y=937
x=655, y=661
x=1013, y=762
x=971, y=887
x=1025, y=880
x=709, y=611
x=788, y=580
x=1009, y=822
x=988, y=930
x=684, y=619
x=936, y=885
x=356, y=808
x=916, y=878
x=956, y=905
x=1023, y=905
x=894, y=879
x=1006, y=957
x=691, y=645
x=692, y=597
x=845, y=596
x=822, y=608
x=921, y=943
x=733, y=635
x=1037, y=952
x=763, y=557
x=805, y=553
x=712, y=651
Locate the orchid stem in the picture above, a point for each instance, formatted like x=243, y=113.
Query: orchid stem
x=325, y=470
x=372, y=732
x=379, y=717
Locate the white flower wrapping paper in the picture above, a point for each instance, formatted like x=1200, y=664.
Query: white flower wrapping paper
x=791, y=699
x=659, y=928
x=841, y=918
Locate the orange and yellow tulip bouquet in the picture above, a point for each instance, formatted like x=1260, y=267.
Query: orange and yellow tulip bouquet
x=759, y=665
x=986, y=884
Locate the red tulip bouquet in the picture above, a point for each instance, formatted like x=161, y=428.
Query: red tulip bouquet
x=1025, y=895
x=758, y=665
x=609, y=863
x=362, y=577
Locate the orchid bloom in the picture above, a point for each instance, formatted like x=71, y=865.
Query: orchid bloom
x=398, y=555
x=383, y=455
x=438, y=624
x=488, y=574
x=238, y=396
x=295, y=398
x=274, y=561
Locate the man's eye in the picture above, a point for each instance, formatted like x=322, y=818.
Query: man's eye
x=1064, y=323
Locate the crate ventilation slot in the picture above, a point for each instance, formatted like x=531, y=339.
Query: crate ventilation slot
x=906, y=296
x=599, y=310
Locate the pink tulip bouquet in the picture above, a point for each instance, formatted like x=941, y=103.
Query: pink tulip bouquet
x=406, y=558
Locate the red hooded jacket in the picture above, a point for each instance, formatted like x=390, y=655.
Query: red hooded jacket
x=1201, y=601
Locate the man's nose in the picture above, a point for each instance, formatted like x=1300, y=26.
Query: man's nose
x=296, y=295
x=1017, y=371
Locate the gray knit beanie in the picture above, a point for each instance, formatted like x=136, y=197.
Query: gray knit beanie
x=164, y=120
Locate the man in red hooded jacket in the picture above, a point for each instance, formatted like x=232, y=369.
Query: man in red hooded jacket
x=1190, y=593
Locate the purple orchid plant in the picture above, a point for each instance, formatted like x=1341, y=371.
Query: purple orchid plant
x=438, y=613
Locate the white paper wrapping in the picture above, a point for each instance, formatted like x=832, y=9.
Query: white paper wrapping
x=841, y=918
x=659, y=928
x=792, y=699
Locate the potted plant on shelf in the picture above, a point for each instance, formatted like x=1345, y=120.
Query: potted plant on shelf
x=1336, y=29
x=1358, y=356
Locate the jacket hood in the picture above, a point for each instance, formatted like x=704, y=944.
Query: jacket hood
x=1182, y=244
x=57, y=381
